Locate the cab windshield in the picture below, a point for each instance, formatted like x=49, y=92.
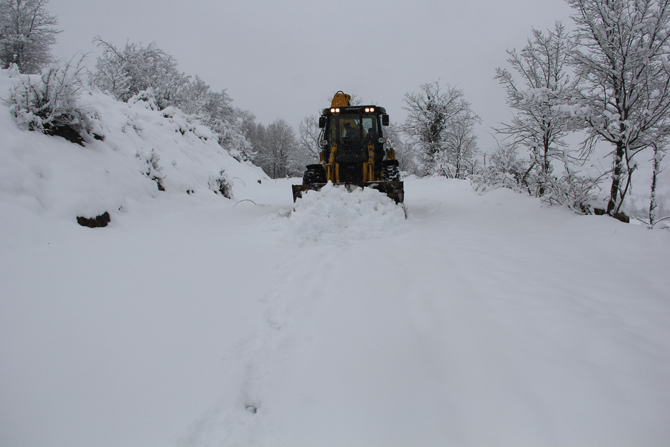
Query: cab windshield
x=352, y=129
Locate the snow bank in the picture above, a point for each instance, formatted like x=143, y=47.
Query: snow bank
x=334, y=215
x=142, y=147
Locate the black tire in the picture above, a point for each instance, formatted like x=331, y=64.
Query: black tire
x=314, y=174
x=391, y=170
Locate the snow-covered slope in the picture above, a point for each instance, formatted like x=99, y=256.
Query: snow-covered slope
x=53, y=176
x=194, y=320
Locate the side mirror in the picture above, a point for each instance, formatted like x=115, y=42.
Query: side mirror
x=385, y=120
x=322, y=122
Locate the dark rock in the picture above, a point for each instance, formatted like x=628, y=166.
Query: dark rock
x=622, y=217
x=619, y=216
x=96, y=222
x=159, y=182
x=66, y=132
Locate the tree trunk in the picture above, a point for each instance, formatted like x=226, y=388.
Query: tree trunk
x=654, y=182
x=616, y=198
x=458, y=166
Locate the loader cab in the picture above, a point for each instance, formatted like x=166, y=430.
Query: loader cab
x=352, y=135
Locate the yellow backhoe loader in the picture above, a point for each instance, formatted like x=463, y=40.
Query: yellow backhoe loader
x=354, y=152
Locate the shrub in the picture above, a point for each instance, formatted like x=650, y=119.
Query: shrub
x=50, y=104
x=152, y=170
x=220, y=185
x=577, y=192
x=505, y=170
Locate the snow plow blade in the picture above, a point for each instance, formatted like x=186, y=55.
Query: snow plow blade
x=394, y=190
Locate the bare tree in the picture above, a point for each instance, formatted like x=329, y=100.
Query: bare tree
x=539, y=123
x=625, y=95
x=309, y=137
x=434, y=118
x=460, y=145
x=278, y=146
x=26, y=34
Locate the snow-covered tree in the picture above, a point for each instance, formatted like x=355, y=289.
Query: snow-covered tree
x=457, y=160
x=253, y=132
x=307, y=149
x=434, y=120
x=624, y=96
x=26, y=34
x=126, y=72
x=198, y=97
x=277, y=150
x=232, y=138
x=657, y=167
x=148, y=72
x=404, y=151
x=215, y=110
x=536, y=97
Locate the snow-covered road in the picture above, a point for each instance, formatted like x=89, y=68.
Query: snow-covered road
x=479, y=320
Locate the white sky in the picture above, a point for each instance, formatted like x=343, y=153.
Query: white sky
x=284, y=59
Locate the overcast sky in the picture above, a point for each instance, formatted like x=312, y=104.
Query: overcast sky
x=284, y=59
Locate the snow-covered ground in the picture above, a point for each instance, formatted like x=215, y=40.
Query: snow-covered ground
x=481, y=320
x=196, y=320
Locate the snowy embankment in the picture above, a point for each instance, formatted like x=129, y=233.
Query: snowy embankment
x=194, y=320
x=141, y=148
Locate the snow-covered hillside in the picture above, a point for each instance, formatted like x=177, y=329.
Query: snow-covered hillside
x=195, y=320
x=53, y=176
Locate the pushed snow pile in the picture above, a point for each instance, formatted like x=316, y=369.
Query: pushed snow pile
x=334, y=215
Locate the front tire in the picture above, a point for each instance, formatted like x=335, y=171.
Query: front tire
x=391, y=170
x=314, y=174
